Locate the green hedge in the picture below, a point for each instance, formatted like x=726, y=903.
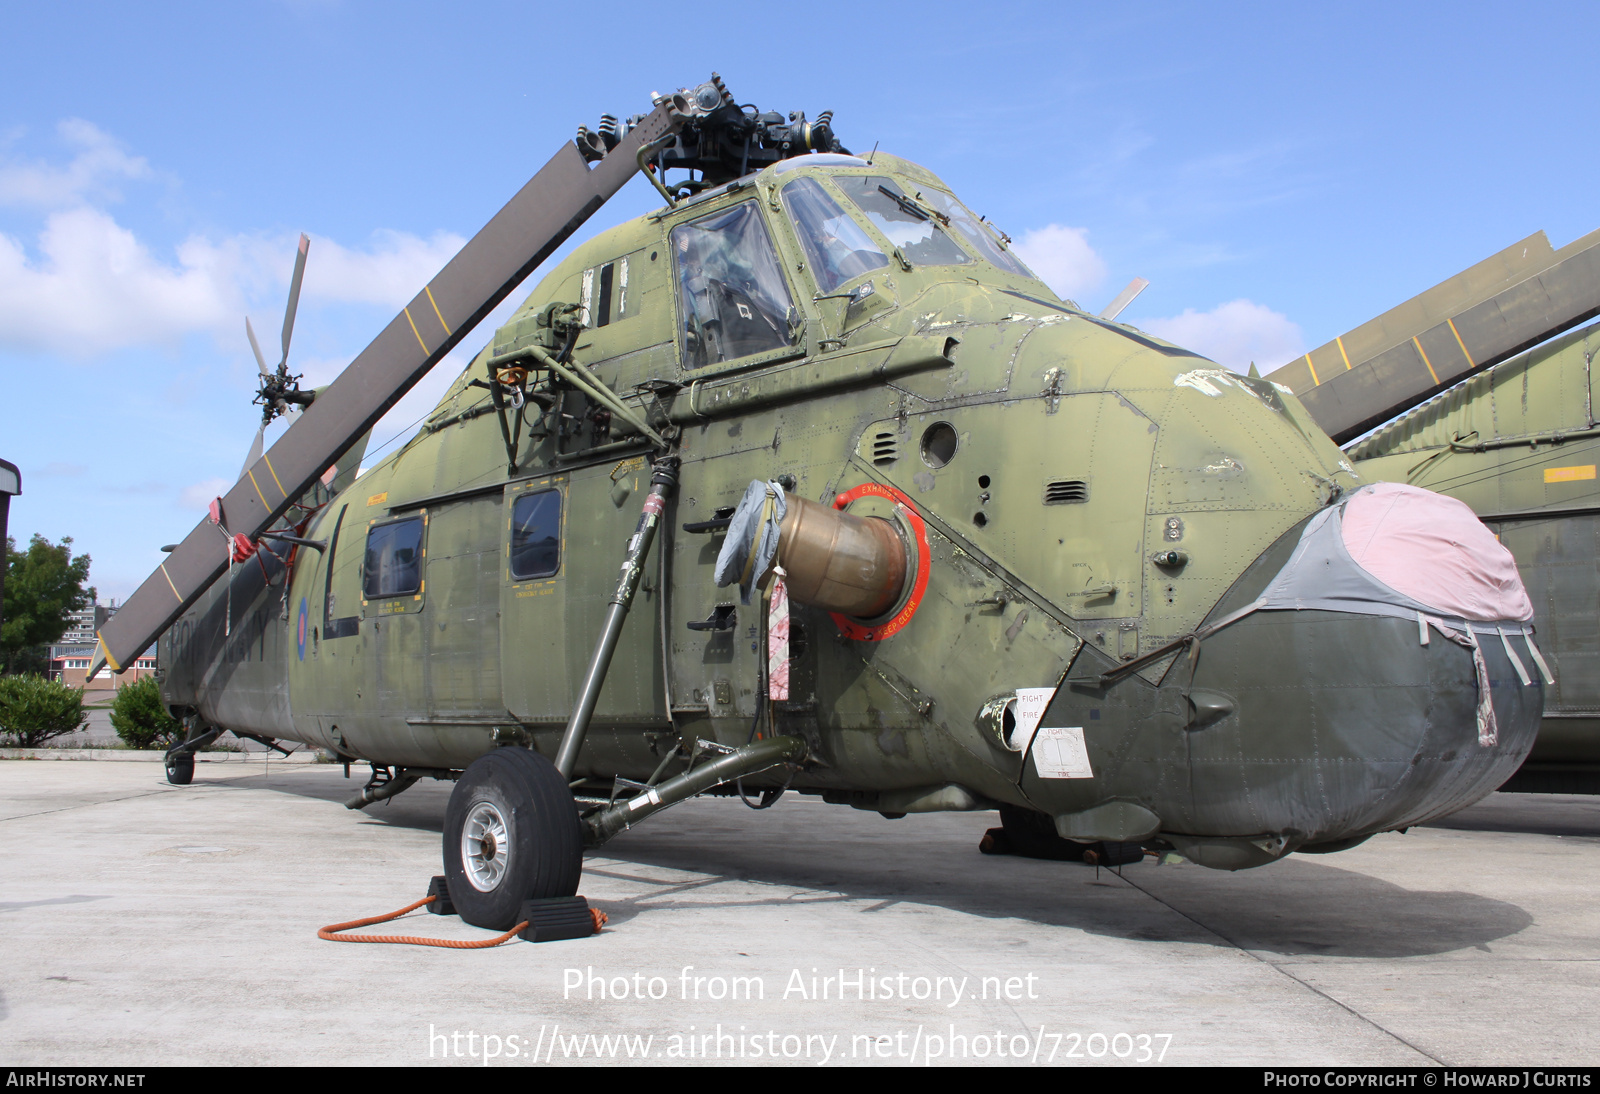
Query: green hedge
x=140, y=717
x=33, y=710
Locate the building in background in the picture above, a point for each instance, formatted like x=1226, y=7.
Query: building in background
x=69, y=658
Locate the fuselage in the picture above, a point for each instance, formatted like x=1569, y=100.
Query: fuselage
x=1083, y=495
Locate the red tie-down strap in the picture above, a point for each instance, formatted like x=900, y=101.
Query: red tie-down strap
x=242, y=547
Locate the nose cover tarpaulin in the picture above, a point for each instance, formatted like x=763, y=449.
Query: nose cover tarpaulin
x=1396, y=550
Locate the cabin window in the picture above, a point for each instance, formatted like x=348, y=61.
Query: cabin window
x=905, y=223
x=735, y=301
x=836, y=247
x=961, y=221
x=394, y=559
x=536, y=535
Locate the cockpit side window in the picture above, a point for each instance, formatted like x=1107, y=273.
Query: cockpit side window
x=735, y=301
x=960, y=220
x=902, y=221
x=836, y=247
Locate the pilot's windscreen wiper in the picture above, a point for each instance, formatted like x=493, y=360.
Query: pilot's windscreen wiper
x=905, y=203
x=915, y=208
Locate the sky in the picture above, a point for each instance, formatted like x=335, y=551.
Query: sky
x=1279, y=173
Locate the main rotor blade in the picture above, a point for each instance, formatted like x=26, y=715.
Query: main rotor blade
x=547, y=210
x=1486, y=314
x=261, y=362
x=255, y=449
x=294, y=296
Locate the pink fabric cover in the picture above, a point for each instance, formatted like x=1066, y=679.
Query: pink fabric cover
x=1435, y=550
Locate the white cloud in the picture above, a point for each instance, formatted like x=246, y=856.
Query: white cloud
x=99, y=162
x=96, y=287
x=87, y=284
x=390, y=273
x=1234, y=334
x=1063, y=259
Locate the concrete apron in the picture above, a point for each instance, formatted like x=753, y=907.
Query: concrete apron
x=150, y=924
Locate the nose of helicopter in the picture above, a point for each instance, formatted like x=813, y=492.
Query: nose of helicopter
x=1372, y=670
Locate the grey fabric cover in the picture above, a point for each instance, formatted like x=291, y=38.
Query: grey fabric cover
x=746, y=530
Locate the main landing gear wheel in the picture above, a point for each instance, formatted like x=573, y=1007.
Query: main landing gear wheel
x=180, y=768
x=511, y=833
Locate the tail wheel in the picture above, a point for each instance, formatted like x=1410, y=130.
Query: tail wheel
x=511, y=834
x=180, y=769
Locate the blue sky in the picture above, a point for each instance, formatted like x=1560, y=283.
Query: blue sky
x=1279, y=173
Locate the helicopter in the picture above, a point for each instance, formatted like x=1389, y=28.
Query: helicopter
x=1481, y=388
x=927, y=537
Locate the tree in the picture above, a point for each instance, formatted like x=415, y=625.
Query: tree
x=140, y=717
x=44, y=585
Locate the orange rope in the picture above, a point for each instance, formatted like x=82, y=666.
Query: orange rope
x=331, y=933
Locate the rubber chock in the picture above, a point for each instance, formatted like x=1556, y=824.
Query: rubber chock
x=1108, y=853
x=551, y=919
x=441, y=897
x=994, y=842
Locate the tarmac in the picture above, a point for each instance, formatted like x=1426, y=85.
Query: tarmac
x=148, y=924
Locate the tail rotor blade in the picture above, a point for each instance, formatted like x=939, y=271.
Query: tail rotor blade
x=255, y=450
x=294, y=295
x=261, y=362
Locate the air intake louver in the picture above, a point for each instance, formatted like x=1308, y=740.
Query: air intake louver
x=1066, y=492
x=885, y=448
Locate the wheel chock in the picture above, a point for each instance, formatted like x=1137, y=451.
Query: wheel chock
x=551, y=919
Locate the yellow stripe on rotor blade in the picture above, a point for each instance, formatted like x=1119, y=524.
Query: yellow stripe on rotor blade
x=268, y=462
x=1425, y=360
x=168, y=576
x=414, y=330
x=436, y=310
x=259, y=494
x=107, y=654
x=1460, y=343
x=1343, y=354
x=1314, y=381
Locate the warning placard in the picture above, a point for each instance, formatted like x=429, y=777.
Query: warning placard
x=1030, y=707
x=1060, y=753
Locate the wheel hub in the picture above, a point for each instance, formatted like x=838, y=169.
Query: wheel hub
x=485, y=849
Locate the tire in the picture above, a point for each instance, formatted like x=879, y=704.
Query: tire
x=180, y=769
x=511, y=833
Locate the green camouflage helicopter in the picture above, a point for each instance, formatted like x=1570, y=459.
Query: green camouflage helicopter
x=991, y=550
x=1508, y=429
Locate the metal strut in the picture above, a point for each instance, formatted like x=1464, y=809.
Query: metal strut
x=753, y=757
x=663, y=481
x=194, y=743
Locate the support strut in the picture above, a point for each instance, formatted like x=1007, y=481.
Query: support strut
x=663, y=480
x=753, y=757
x=194, y=743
